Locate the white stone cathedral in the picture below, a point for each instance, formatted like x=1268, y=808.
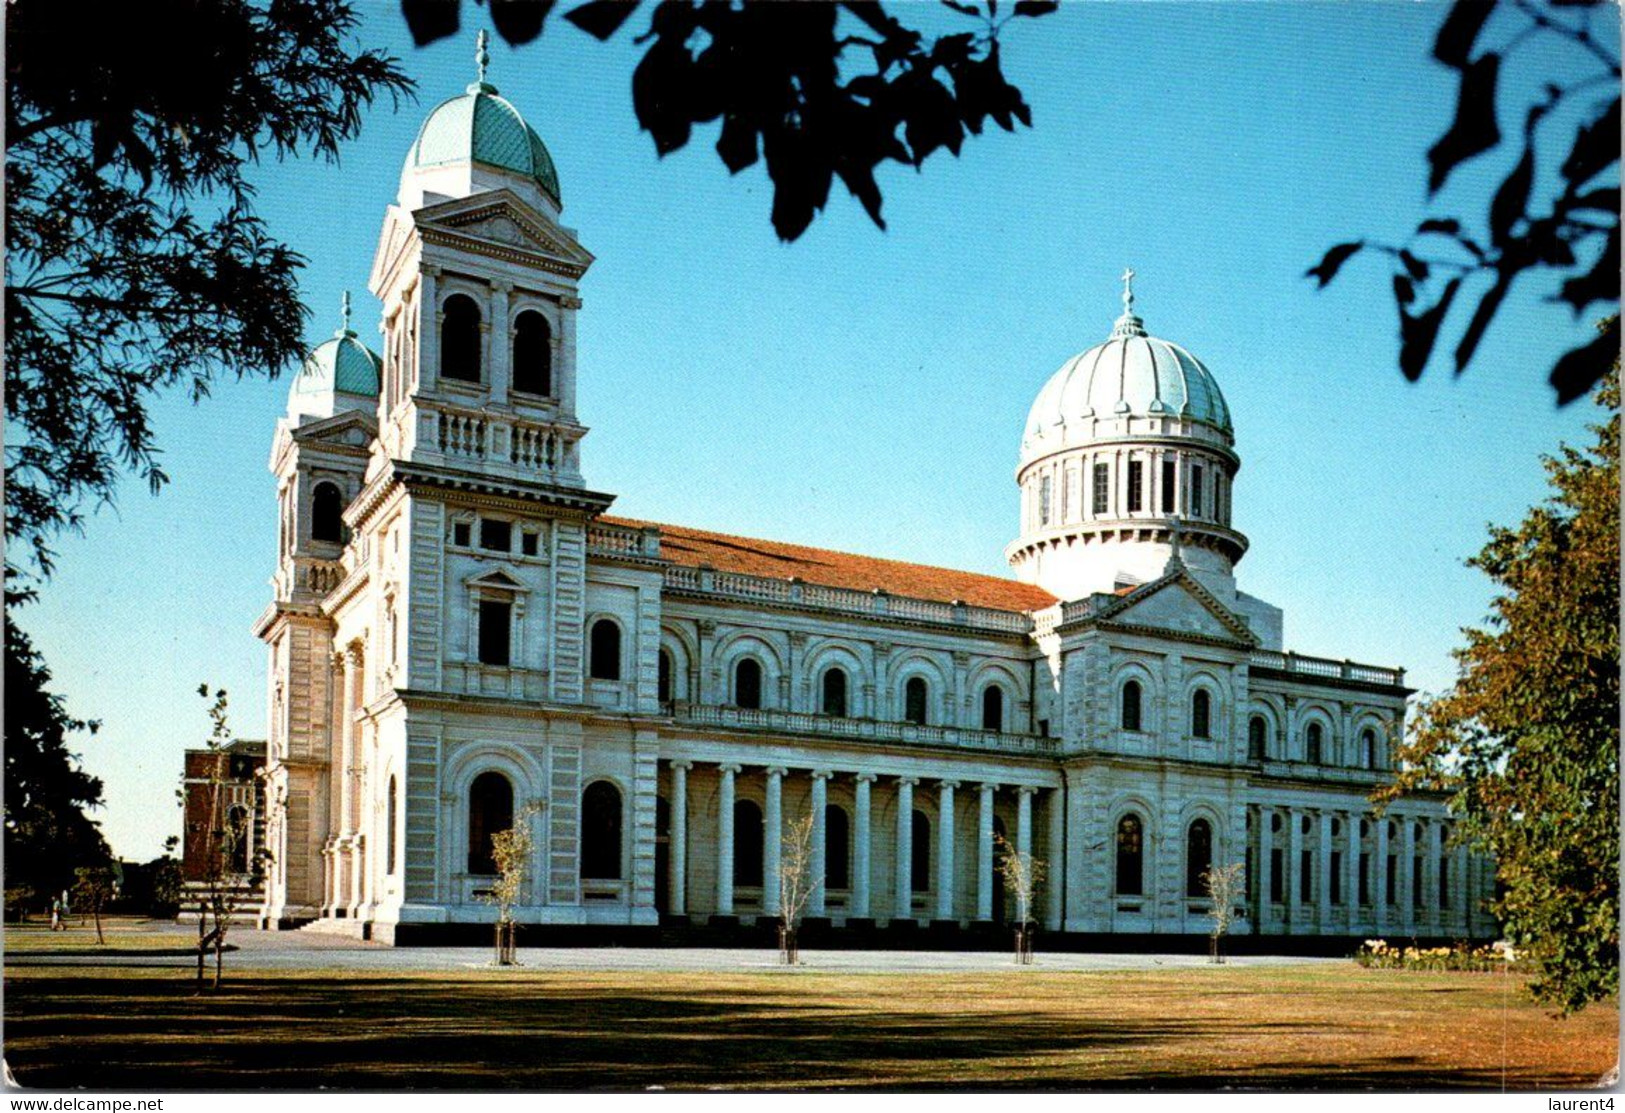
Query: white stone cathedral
x=462, y=640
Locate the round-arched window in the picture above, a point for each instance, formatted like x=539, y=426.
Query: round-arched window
x=1257, y=732
x=326, y=513
x=1314, y=738
x=834, y=691
x=490, y=810
x=1130, y=856
x=1198, y=857
x=916, y=700
x=1201, y=714
x=532, y=354
x=748, y=683
x=604, y=655
x=1131, y=705
x=993, y=708
x=460, y=339
x=601, y=832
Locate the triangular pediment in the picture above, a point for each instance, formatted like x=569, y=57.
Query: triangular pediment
x=356, y=428
x=1179, y=604
x=498, y=579
x=499, y=220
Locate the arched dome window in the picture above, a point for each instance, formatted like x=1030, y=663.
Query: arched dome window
x=490, y=810
x=834, y=693
x=748, y=683
x=604, y=651
x=532, y=354
x=993, y=708
x=1313, y=738
x=1130, y=856
x=1201, y=714
x=601, y=832
x=460, y=339
x=1131, y=705
x=1257, y=730
x=747, y=843
x=915, y=700
x=1198, y=857
x=326, y=513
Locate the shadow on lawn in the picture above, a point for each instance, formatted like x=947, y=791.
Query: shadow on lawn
x=541, y=1034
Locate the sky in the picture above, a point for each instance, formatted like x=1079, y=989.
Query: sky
x=865, y=390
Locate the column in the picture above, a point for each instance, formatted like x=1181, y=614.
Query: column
x=677, y=850
x=1379, y=874
x=945, y=850
x=499, y=344
x=428, y=349
x=1024, y=821
x=1430, y=887
x=348, y=860
x=1351, y=868
x=1055, y=891
x=1460, y=892
x=772, y=846
x=1407, y=865
x=1266, y=871
x=725, y=841
x=1324, y=891
x=860, y=849
x=818, y=860
x=905, y=847
x=984, y=855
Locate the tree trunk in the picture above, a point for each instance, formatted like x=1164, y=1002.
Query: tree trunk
x=96, y=911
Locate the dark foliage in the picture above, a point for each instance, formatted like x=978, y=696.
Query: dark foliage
x=1569, y=232
x=818, y=91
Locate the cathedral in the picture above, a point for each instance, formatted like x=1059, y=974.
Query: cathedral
x=462, y=639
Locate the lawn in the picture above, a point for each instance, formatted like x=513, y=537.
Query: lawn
x=1324, y=1026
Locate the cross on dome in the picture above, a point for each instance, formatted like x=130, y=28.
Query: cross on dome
x=482, y=57
x=1128, y=291
x=1128, y=324
x=345, y=311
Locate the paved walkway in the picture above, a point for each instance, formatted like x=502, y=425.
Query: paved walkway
x=269, y=950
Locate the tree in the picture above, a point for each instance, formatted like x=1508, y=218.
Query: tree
x=1564, y=223
x=820, y=91
x=511, y=850
x=796, y=883
x=1022, y=874
x=1527, y=740
x=1224, y=886
x=95, y=886
x=225, y=870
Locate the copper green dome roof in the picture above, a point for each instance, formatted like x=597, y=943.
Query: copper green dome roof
x=482, y=127
x=341, y=364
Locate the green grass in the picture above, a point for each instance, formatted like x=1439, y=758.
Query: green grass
x=1328, y=1027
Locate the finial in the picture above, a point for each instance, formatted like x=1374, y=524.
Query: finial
x=482, y=56
x=1128, y=324
x=1128, y=292
x=346, y=311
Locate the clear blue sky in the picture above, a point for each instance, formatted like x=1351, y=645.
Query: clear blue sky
x=865, y=390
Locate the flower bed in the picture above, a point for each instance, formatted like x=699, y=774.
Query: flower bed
x=1379, y=954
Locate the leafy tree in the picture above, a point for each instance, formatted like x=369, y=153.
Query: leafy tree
x=820, y=91
x=1224, y=886
x=511, y=850
x=224, y=855
x=1555, y=213
x=1022, y=875
x=95, y=886
x=1528, y=739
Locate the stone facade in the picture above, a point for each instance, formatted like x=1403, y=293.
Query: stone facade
x=462, y=639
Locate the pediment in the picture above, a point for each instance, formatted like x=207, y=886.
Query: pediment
x=355, y=428
x=500, y=220
x=496, y=579
x=1178, y=603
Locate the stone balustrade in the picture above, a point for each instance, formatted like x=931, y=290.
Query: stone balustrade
x=834, y=726
x=1329, y=669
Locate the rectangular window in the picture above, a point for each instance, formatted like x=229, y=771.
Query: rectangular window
x=1170, y=484
x=527, y=543
x=495, y=620
x=1416, y=881
x=460, y=534
x=1136, y=485
x=1365, y=880
x=1043, y=500
x=1277, y=874
x=1444, y=882
x=496, y=535
x=1249, y=878
x=1196, y=489
x=1391, y=882
x=1102, y=487
x=1336, y=878
x=1068, y=481
x=1306, y=876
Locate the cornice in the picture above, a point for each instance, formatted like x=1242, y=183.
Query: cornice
x=1023, y=637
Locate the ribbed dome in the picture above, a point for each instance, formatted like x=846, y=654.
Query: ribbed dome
x=1133, y=374
x=341, y=364
x=482, y=127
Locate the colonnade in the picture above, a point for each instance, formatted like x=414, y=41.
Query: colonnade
x=862, y=902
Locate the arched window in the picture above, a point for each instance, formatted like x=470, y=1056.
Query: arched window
x=1368, y=748
x=460, y=339
x=1131, y=705
x=1257, y=731
x=993, y=707
x=601, y=832
x=326, y=513
x=663, y=685
x=605, y=650
x=747, y=843
x=837, y=849
x=919, y=864
x=748, y=683
x=391, y=839
x=834, y=701
x=1201, y=714
x=1198, y=857
x=1312, y=743
x=532, y=354
x=1130, y=856
x=490, y=809
x=915, y=698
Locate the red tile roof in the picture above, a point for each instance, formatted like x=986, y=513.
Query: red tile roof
x=753, y=556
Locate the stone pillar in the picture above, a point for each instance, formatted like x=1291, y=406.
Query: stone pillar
x=1055, y=891
x=1351, y=867
x=984, y=854
x=772, y=847
x=725, y=841
x=1430, y=886
x=945, y=850
x=818, y=856
x=499, y=351
x=1379, y=874
x=905, y=847
x=677, y=849
x=1266, y=872
x=428, y=310
x=1407, y=865
x=859, y=909
x=1323, y=923
x=1460, y=892
x=1024, y=820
